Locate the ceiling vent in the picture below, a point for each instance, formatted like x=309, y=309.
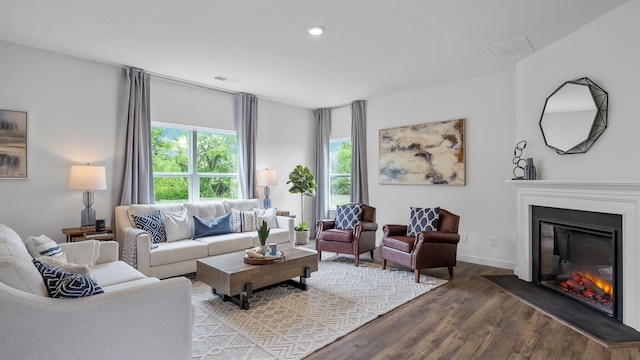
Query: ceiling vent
x=512, y=49
x=226, y=79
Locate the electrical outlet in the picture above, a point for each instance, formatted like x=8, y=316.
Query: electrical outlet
x=463, y=238
x=493, y=240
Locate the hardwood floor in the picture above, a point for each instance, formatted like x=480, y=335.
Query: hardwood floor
x=467, y=318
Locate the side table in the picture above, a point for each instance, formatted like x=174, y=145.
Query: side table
x=78, y=234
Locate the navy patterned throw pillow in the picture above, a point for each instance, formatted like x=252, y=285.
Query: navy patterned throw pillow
x=65, y=285
x=153, y=223
x=347, y=216
x=426, y=219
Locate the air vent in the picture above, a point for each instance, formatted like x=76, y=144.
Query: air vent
x=509, y=50
x=226, y=79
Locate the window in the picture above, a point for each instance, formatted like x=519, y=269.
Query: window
x=339, y=171
x=193, y=164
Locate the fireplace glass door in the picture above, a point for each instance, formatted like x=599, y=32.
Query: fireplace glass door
x=579, y=263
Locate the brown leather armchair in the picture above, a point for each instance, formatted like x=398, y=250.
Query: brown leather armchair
x=428, y=249
x=360, y=239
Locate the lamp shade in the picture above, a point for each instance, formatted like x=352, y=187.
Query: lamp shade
x=266, y=177
x=87, y=177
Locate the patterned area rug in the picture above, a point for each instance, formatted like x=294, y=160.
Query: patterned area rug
x=287, y=323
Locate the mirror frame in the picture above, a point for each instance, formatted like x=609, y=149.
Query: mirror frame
x=601, y=101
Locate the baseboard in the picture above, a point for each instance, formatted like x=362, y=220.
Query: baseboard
x=488, y=262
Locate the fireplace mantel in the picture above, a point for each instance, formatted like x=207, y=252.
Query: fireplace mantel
x=606, y=196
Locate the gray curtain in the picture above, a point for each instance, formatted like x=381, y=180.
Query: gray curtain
x=246, y=116
x=321, y=200
x=138, y=173
x=359, y=181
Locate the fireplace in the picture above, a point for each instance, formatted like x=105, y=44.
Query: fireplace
x=620, y=198
x=577, y=254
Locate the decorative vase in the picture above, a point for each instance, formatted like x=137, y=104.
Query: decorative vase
x=265, y=249
x=530, y=170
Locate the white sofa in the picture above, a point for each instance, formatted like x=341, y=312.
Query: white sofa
x=179, y=257
x=136, y=317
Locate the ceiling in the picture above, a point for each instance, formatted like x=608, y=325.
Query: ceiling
x=370, y=48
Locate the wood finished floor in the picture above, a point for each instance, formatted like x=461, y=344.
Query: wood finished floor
x=467, y=318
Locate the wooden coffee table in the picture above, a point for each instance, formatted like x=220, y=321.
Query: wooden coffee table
x=235, y=281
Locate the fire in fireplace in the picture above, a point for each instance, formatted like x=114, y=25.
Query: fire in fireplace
x=577, y=254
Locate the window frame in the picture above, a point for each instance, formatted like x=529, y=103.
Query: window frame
x=192, y=175
x=333, y=207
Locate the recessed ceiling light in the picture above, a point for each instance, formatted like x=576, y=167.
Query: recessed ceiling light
x=315, y=30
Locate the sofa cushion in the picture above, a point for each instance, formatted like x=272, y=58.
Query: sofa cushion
x=340, y=235
x=153, y=223
x=276, y=235
x=129, y=284
x=115, y=272
x=222, y=244
x=206, y=210
x=242, y=205
x=16, y=265
x=400, y=243
x=268, y=215
x=422, y=219
x=217, y=226
x=65, y=285
x=43, y=246
x=173, y=252
x=243, y=221
x=177, y=225
x=347, y=216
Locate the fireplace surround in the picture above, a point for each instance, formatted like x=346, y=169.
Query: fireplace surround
x=612, y=197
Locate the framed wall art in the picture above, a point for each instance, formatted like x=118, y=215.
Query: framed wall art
x=13, y=144
x=431, y=153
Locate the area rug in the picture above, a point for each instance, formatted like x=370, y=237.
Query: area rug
x=287, y=323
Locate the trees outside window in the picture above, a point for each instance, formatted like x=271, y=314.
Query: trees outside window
x=193, y=164
x=339, y=171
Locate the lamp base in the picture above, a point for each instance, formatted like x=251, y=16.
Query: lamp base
x=88, y=215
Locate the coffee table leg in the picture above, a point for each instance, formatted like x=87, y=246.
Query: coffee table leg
x=302, y=283
x=244, y=297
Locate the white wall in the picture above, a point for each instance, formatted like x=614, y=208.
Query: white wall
x=73, y=117
x=485, y=204
x=605, y=51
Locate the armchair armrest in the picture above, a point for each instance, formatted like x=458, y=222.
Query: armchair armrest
x=394, y=230
x=441, y=237
x=369, y=226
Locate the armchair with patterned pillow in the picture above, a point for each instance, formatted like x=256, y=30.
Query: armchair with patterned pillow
x=430, y=240
x=353, y=231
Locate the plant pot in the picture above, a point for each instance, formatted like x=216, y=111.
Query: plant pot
x=265, y=249
x=302, y=237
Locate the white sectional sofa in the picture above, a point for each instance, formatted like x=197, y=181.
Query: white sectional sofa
x=178, y=257
x=136, y=317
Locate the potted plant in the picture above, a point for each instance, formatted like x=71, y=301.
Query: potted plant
x=303, y=183
x=263, y=234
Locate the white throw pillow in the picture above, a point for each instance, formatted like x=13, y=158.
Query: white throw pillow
x=68, y=267
x=43, y=246
x=176, y=225
x=268, y=215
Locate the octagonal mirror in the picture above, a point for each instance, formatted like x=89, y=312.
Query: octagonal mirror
x=574, y=116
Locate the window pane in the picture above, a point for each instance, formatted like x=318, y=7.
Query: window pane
x=339, y=172
x=217, y=153
x=216, y=188
x=170, y=150
x=340, y=188
x=170, y=189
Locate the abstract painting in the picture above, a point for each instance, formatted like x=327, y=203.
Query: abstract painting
x=431, y=153
x=13, y=144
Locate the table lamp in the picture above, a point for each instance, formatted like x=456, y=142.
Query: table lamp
x=266, y=178
x=87, y=177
